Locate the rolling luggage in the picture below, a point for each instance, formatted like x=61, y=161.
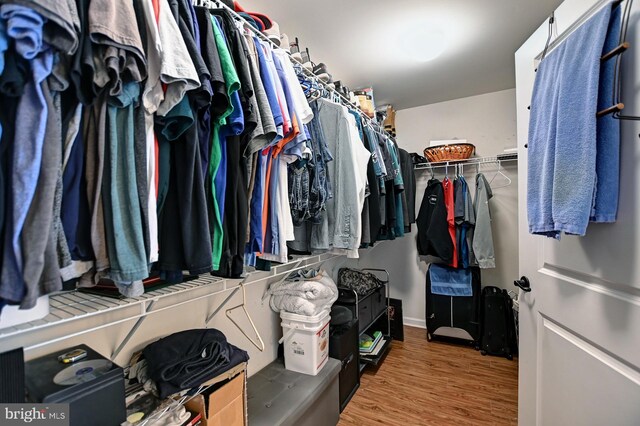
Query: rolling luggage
x=456, y=317
x=498, y=325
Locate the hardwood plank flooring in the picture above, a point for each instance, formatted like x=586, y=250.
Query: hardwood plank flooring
x=435, y=383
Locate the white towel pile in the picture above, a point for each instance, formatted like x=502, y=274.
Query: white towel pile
x=306, y=293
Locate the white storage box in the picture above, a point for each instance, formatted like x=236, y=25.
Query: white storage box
x=306, y=342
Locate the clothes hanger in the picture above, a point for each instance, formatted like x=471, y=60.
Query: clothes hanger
x=336, y=97
x=499, y=172
x=259, y=344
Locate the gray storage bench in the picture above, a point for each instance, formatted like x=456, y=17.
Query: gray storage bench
x=277, y=396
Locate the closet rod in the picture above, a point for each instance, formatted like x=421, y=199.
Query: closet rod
x=486, y=160
x=344, y=100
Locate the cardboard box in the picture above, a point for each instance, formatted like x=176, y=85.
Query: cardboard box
x=227, y=405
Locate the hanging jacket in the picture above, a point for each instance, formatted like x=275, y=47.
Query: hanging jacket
x=465, y=221
x=483, y=237
x=433, y=230
x=447, y=186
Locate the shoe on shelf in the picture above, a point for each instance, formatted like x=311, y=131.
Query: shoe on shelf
x=306, y=60
x=273, y=33
x=294, y=48
x=354, y=99
x=284, y=42
x=321, y=71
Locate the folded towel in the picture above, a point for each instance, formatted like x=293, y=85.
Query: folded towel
x=319, y=287
x=605, y=208
x=449, y=281
x=300, y=305
x=189, y=358
x=562, y=132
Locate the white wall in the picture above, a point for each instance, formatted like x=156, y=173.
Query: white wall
x=489, y=122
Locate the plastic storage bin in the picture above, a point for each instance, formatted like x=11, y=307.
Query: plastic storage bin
x=306, y=342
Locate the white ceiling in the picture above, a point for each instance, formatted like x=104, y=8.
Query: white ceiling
x=363, y=43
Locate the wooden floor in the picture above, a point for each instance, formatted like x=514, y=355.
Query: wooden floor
x=435, y=383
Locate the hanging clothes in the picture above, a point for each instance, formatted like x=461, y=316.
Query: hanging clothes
x=432, y=222
x=343, y=211
x=158, y=135
x=483, y=235
x=409, y=193
x=465, y=222
x=447, y=186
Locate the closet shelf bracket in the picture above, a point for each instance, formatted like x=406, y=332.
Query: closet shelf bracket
x=220, y=306
x=143, y=315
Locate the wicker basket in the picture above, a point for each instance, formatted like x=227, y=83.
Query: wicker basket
x=457, y=152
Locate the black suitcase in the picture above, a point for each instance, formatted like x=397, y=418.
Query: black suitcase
x=462, y=312
x=498, y=325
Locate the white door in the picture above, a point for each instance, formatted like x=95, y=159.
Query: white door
x=580, y=324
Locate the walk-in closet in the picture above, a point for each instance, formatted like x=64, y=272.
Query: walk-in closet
x=293, y=212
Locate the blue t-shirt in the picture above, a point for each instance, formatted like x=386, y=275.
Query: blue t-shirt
x=270, y=89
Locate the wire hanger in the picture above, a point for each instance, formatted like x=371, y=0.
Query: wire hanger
x=499, y=172
x=259, y=344
x=552, y=21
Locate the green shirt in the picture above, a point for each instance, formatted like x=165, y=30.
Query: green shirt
x=232, y=83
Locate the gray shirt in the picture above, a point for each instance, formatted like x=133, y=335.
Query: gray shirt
x=265, y=131
x=483, y=237
x=38, y=229
x=339, y=226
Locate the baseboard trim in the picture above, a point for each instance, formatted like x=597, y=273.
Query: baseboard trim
x=415, y=322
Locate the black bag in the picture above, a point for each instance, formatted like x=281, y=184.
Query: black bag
x=498, y=325
x=395, y=319
x=461, y=312
x=360, y=281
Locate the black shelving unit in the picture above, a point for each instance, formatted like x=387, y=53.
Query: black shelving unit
x=371, y=310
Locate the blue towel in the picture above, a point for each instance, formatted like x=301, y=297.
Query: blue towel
x=449, y=281
x=605, y=208
x=562, y=132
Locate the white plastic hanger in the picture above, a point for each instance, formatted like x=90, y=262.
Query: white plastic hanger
x=499, y=172
x=259, y=344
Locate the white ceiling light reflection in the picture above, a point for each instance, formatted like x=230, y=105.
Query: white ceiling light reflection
x=423, y=44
